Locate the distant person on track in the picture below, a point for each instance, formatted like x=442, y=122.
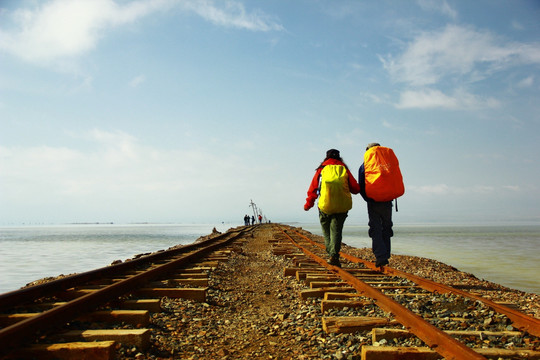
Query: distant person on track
x=252, y=220
x=260, y=219
x=333, y=184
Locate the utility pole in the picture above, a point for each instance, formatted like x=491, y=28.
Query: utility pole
x=254, y=207
x=257, y=212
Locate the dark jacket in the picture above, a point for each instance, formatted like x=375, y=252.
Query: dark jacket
x=362, y=183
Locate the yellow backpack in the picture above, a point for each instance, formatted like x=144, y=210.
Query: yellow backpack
x=384, y=181
x=335, y=196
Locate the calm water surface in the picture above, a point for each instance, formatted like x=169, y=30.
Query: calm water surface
x=33, y=252
x=507, y=255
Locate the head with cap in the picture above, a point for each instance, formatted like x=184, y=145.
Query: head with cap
x=333, y=154
x=370, y=145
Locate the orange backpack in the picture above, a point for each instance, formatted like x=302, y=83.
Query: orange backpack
x=383, y=176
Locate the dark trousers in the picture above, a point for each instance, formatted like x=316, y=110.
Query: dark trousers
x=380, y=228
x=332, y=228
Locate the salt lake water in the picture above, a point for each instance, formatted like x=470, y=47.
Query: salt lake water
x=29, y=253
x=507, y=255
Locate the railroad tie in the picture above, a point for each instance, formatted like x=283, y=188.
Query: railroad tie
x=340, y=304
x=197, y=294
x=352, y=324
x=134, y=317
x=131, y=337
x=425, y=353
x=381, y=333
x=97, y=350
x=319, y=292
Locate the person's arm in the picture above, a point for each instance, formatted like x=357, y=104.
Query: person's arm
x=362, y=182
x=354, y=187
x=313, y=191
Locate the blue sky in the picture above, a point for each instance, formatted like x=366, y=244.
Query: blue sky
x=184, y=111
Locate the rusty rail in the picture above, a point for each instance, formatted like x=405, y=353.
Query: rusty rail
x=438, y=340
x=33, y=292
x=17, y=334
x=520, y=321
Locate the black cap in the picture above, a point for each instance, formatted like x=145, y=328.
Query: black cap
x=332, y=154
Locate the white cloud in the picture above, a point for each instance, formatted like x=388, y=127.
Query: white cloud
x=457, y=51
x=66, y=28
x=120, y=177
x=437, y=189
x=137, y=80
x=232, y=14
x=431, y=98
x=517, y=25
x=438, y=6
x=60, y=29
x=527, y=82
x=444, y=189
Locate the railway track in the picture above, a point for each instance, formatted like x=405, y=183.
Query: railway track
x=64, y=319
x=85, y=316
x=395, y=307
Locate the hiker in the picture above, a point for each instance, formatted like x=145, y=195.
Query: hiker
x=252, y=220
x=334, y=183
x=378, y=189
x=260, y=219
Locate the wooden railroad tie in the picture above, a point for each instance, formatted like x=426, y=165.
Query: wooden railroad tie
x=351, y=324
x=98, y=350
x=319, y=292
x=134, y=317
x=303, y=273
x=197, y=294
x=340, y=304
x=131, y=337
x=177, y=282
x=291, y=271
x=196, y=269
x=425, y=353
x=379, y=334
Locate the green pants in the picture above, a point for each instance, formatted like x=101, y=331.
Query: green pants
x=332, y=228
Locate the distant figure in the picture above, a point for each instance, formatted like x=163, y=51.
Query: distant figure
x=260, y=219
x=336, y=183
x=246, y=220
x=380, y=210
x=252, y=220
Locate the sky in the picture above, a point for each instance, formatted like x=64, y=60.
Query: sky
x=180, y=111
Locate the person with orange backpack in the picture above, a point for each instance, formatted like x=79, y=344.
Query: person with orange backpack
x=380, y=182
x=333, y=184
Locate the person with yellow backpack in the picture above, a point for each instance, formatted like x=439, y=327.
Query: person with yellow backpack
x=333, y=184
x=380, y=182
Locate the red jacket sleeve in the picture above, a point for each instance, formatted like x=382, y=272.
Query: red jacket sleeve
x=313, y=191
x=354, y=187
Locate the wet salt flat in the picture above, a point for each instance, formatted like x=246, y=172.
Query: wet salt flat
x=507, y=255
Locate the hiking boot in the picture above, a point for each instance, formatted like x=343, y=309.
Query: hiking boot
x=334, y=260
x=381, y=263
